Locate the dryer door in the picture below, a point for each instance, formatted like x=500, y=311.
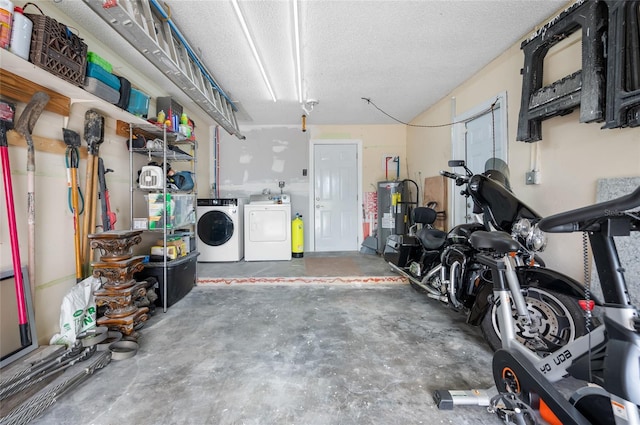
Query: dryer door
x=215, y=228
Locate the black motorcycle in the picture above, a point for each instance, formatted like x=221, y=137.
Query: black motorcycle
x=444, y=265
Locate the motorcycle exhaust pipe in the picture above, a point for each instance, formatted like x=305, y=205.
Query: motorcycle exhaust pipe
x=432, y=292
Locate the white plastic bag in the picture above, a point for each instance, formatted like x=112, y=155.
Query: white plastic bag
x=77, y=312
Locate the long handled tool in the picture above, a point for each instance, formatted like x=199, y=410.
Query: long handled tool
x=25, y=125
x=108, y=217
x=72, y=140
x=7, y=111
x=94, y=135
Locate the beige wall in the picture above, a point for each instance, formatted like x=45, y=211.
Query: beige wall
x=378, y=141
x=573, y=155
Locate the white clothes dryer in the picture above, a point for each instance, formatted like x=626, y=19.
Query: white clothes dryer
x=267, y=228
x=220, y=230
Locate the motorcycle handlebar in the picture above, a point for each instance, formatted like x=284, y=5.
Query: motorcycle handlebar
x=460, y=179
x=448, y=174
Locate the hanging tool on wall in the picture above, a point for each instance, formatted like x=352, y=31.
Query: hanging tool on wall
x=24, y=126
x=7, y=111
x=108, y=217
x=72, y=159
x=94, y=136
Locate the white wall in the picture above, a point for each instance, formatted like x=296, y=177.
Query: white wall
x=274, y=153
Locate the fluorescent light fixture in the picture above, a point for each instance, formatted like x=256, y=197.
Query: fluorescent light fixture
x=236, y=8
x=296, y=29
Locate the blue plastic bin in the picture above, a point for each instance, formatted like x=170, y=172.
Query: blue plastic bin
x=138, y=103
x=99, y=73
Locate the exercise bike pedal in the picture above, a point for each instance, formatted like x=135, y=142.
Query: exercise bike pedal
x=511, y=410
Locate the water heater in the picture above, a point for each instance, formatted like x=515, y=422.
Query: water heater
x=390, y=211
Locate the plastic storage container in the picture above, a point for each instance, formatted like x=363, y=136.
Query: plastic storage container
x=100, y=89
x=166, y=104
x=181, y=277
x=98, y=72
x=138, y=103
x=180, y=210
x=57, y=49
x=93, y=57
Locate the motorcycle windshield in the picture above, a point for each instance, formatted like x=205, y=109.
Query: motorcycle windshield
x=494, y=195
x=498, y=170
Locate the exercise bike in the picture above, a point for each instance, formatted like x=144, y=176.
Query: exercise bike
x=609, y=356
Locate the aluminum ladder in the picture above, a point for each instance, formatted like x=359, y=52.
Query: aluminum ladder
x=145, y=25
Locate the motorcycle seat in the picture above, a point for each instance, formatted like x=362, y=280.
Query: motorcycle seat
x=431, y=238
x=498, y=242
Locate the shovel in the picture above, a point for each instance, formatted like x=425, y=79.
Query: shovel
x=94, y=135
x=7, y=111
x=72, y=140
x=24, y=126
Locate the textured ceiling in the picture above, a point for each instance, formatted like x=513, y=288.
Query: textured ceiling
x=403, y=55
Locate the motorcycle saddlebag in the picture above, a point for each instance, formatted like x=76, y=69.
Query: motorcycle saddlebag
x=400, y=250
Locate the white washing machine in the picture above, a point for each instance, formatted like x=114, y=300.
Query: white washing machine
x=220, y=229
x=267, y=228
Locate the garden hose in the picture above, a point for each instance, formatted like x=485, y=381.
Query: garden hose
x=72, y=160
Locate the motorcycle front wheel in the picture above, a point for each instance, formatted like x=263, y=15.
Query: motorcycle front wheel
x=557, y=316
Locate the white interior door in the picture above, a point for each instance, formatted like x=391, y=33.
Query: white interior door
x=335, y=196
x=478, y=137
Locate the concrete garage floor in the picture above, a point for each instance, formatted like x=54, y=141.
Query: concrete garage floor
x=302, y=353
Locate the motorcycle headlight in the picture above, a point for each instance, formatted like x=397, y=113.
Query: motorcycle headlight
x=536, y=239
x=522, y=227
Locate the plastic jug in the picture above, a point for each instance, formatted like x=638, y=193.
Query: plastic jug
x=21, y=34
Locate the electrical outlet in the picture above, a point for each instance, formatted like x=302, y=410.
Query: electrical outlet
x=532, y=177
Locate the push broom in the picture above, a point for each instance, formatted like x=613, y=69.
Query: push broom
x=7, y=111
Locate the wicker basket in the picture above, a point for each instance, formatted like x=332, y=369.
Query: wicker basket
x=58, y=50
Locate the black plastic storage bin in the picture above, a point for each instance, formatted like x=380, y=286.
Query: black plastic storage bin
x=181, y=277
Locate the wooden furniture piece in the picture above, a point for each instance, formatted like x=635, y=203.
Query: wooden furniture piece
x=120, y=290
